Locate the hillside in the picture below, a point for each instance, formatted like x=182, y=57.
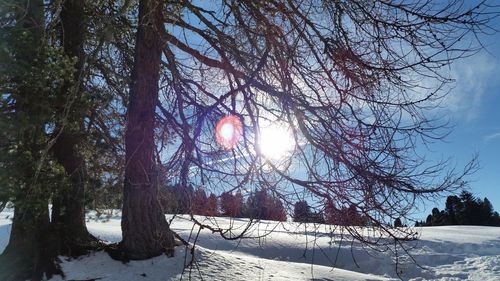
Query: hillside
x=289, y=251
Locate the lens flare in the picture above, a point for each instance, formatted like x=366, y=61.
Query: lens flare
x=228, y=131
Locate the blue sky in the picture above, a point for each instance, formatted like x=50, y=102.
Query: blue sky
x=473, y=107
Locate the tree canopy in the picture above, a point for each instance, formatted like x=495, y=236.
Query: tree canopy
x=352, y=82
x=98, y=95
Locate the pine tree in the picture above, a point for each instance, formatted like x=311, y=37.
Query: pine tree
x=486, y=212
x=276, y=210
x=238, y=205
x=454, y=209
x=200, y=203
x=68, y=210
x=231, y=205
x=32, y=75
x=264, y=206
x=465, y=209
x=256, y=206
x=211, y=208
x=301, y=211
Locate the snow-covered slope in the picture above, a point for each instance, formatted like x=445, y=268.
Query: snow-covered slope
x=289, y=251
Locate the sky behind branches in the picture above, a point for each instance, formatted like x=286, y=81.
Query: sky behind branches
x=473, y=107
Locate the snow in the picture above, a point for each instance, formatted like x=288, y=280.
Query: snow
x=291, y=251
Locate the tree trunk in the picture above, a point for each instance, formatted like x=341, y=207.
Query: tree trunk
x=29, y=254
x=146, y=232
x=68, y=211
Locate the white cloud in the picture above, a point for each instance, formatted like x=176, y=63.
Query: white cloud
x=472, y=75
x=491, y=137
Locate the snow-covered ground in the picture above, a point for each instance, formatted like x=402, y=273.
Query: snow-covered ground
x=290, y=251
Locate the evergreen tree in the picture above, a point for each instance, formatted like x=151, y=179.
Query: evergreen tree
x=264, y=206
x=211, y=207
x=200, y=203
x=231, y=205
x=464, y=210
x=486, y=212
x=453, y=210
x=398, y=223
x=68, y=204
x=495, y=219
x=32, y=75
x=301, y=211
x=345, y=216
x=256, y=206
x=47, y=72
x=276, y=210
x=177, y=199
x=470, y=213
x=437, y=218
x=238, y=204
x=317, y=217
x=428, y=220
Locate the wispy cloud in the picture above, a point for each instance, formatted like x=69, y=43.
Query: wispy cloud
x=491, y=137
x=473, y=76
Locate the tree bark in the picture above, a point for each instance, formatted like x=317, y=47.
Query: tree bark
x=68, y=211
x=146, y=232
x=29, y=254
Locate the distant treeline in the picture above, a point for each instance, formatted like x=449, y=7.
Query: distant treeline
x=259, y=204
x=463, y=210
x=330, y=215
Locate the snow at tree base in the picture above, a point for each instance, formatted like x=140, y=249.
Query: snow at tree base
x=327, y=108
x=292, y=252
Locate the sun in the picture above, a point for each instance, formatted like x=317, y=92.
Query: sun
x=275, y=141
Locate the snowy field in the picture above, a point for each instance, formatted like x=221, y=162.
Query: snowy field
x=291, y=251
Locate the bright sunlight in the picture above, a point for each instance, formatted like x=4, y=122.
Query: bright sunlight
x=275, y=141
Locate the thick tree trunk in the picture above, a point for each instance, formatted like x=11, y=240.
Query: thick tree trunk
x=29, y=254
x=68, y=212
x=146, y=232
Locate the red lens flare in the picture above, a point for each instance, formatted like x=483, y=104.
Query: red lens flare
x=228, y=131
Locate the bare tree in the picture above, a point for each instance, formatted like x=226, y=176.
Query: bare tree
x=146, y=232
x=353, y=82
